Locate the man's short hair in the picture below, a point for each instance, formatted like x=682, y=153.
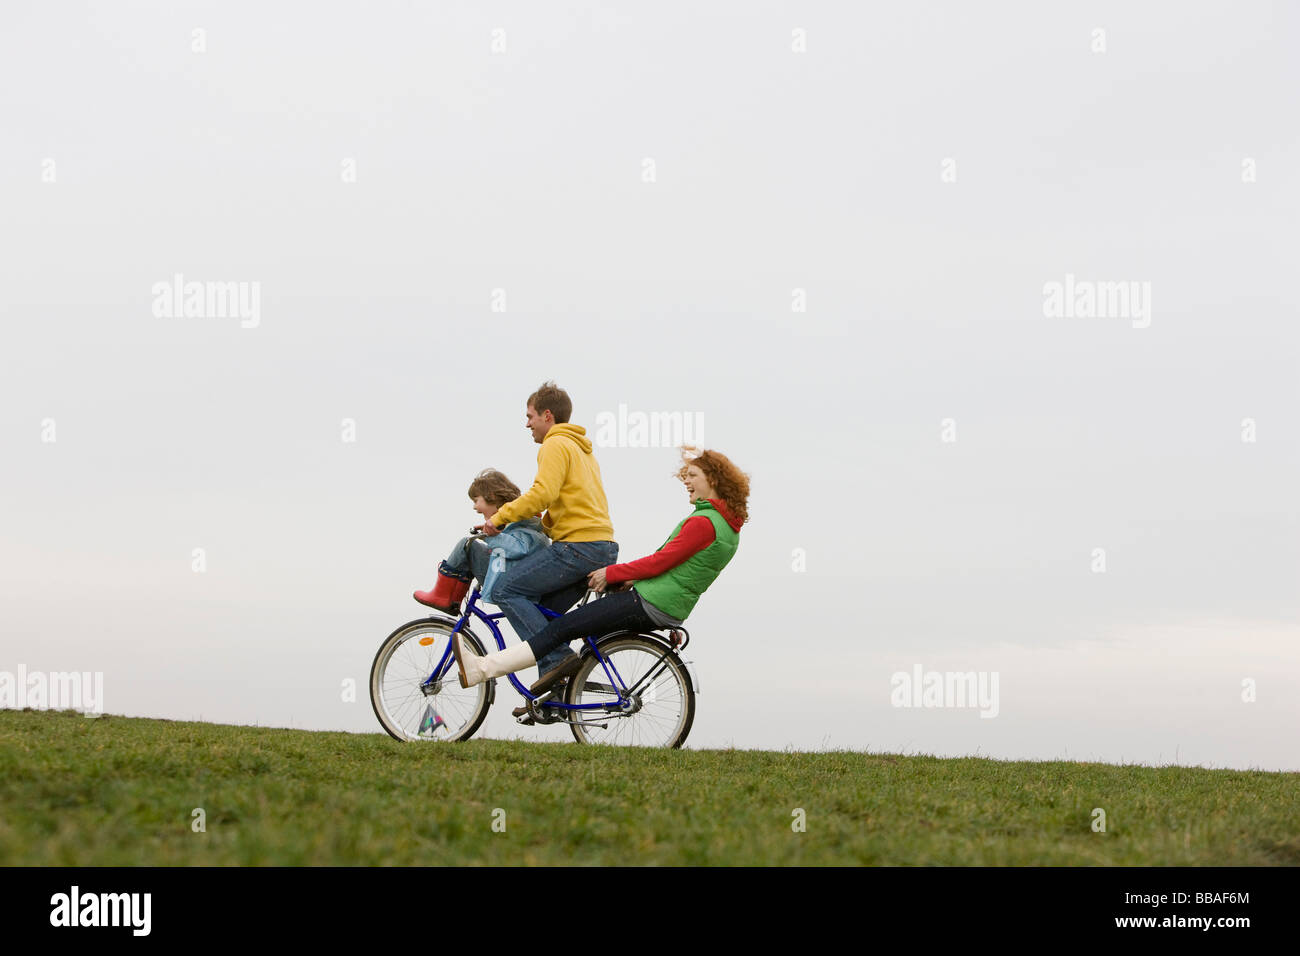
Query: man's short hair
x=551, y=398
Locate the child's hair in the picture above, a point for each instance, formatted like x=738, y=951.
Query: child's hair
x=495, y=487
x=551, y=398
x=731, y=484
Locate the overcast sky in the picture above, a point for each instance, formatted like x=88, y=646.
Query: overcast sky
x=827, y=232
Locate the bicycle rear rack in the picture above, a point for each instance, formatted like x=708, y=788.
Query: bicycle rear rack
x=678, y=643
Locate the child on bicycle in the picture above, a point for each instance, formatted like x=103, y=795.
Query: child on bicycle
x=485, y=559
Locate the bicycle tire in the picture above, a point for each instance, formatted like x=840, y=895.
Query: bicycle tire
x=405, y=711
x=663, y=721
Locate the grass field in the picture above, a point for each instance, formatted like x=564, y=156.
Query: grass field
x=123, y=791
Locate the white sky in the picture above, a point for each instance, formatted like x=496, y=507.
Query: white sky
x=775, y=171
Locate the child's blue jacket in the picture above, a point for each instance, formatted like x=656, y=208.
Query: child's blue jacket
x=516, y=540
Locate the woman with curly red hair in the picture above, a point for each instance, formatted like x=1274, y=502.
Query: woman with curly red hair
x=657, y=591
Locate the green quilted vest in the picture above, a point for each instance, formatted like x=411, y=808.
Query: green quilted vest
x=676, y=590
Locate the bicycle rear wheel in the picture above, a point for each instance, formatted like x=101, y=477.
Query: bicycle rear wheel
x=660, y=711
x=442, y=711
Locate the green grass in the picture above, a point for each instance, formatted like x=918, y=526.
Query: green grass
x=121, y=791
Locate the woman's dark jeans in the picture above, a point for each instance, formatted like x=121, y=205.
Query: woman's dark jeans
x=617, y=611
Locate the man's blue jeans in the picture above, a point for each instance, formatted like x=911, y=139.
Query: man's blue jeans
x=548, y=569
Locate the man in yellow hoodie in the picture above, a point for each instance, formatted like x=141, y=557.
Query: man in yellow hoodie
x=569, y=490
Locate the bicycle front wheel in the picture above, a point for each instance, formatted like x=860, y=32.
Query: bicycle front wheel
x=410, y=709
x=660, y=704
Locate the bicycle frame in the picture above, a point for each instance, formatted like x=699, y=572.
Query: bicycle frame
x=625, y=694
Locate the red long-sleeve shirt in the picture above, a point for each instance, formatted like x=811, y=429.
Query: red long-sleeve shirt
x=695, y=535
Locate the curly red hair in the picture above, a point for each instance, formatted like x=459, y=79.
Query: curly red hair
x=730, y=483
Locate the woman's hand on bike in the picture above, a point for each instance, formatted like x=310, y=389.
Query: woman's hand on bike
x=487, y=528
x=596, y=580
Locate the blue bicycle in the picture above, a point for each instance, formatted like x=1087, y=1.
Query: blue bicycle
x=634, y=688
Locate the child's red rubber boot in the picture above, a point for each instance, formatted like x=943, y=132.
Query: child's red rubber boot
x=447, y=593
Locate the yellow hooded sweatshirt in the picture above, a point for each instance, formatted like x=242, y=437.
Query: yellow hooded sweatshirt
x=567, y=487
